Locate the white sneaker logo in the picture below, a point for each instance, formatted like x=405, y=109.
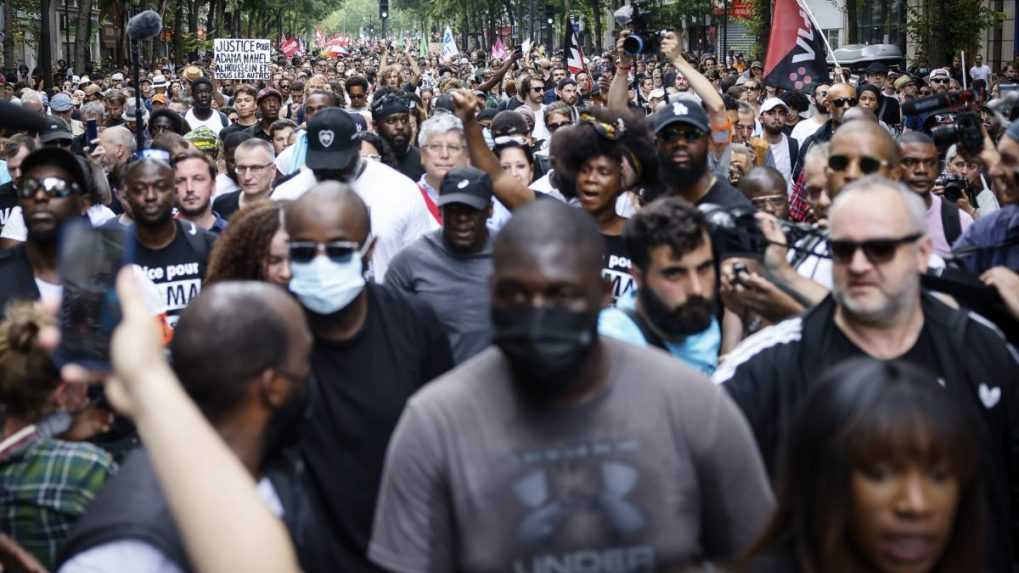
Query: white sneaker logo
x=989, y=396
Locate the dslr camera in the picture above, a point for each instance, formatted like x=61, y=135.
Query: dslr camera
x=642, y=39
x=964, y=131
x=954, y=185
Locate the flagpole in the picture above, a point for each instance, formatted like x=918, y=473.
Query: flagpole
x=810, y=14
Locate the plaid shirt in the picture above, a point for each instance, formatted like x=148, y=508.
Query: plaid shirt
x=46, y=488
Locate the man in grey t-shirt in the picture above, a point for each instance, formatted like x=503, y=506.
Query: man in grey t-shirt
x=449, y=268
x=559, y=450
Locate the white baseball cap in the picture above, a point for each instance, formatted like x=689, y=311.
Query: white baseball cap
x=771, y=103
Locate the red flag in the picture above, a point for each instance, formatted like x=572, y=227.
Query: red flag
x=575, y=59
x=796, y=53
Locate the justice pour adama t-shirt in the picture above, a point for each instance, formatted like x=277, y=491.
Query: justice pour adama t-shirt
x=177, y=269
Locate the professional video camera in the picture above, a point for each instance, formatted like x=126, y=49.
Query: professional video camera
x=964, y=130
x=642, y=39
x=737, y=232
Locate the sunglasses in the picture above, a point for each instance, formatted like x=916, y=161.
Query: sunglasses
x=839, y=102
x=674, y=135
x=753, y=88
x=867, y=164
x=537, y=89
x=939, y=81
x=877, y=251
x=53, y=186
x=336, y=251
x=552, y=127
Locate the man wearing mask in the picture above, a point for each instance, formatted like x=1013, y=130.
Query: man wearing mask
x=269, y=101
x=391, y=116
x=374, y=348
x=241, y=354
x=253, y=164
x=245, y=105
x=526, y=469
x=918, y=169
x=51, y=192
x=173, y=254
x=202, y=114
x=675, y=269
x=194, y=175
x=398, y=212
x=450, y=268
x=681, y=136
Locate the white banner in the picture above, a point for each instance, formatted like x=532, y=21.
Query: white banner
x=241, y=59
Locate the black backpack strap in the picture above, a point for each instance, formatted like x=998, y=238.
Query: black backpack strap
x=950, y=221
x=196, y=238
x=794, y=150
x=649, y=336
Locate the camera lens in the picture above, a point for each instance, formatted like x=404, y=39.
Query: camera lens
x=633, y=45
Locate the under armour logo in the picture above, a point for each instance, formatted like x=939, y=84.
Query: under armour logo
x=325, y=137
x=546, y=515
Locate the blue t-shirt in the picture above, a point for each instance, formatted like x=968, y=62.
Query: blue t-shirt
x=699, y=351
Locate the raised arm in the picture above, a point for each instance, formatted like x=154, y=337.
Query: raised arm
x=511, y=192
x=501, y=72
x=620, y=88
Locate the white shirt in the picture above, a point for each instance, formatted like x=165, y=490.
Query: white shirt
x=141, y=557
x=806, y=128
x=540, y=132
x=981, y=73
x=16, y=230
x=784, y=163
x=224, y=185
x=500, y=214
x=398, y=212
x=214, y=122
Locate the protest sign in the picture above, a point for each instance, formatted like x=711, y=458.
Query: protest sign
x=242, y=59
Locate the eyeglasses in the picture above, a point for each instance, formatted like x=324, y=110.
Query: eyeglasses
x=241, y=169
x=53, y=186
x=877, y=251
x=841, y=101
x=336, y=251
x=444, y=147
x=867, y=164
x=752, y=88
x=612, y=132
x=674, y=135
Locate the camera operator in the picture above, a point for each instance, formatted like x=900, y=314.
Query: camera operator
x=994, y=240
x=974, y=183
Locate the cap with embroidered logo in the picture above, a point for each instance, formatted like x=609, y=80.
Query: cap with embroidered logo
x=332, y=139
x=467, y=185
x=680, y=111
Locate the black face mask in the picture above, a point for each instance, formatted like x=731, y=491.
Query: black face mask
x=546, y=348
x=284, y=427
x=691, y=318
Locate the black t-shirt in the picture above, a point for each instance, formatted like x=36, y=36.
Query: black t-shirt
x=18, y=282
x=8, y=201
x=360, y=389
x=616, y=267
x=178, y=268
x=231, y=129
x=410, y=164
x=725, y=195
x=257, y=131
x=923, y=354
x=227, y=204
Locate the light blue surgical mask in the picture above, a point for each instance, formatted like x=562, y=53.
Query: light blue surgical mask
x=325, y=286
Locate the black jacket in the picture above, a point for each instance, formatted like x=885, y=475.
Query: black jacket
x=822, y=135
x=771, y=372
x=18, y=282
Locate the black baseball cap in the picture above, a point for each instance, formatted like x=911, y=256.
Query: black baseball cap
x=332, y=139
x=685, y=111
x=467, y=185
x=55, y=130
x=877, y=68
x=57, y=157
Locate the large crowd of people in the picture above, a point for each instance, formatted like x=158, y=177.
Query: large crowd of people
x=399, y=313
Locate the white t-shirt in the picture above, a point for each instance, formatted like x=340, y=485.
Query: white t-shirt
x=540, y=132
x=981, y=73
x=143, y=557
x=224, y=185
x=16, y=230
x=398, y=212
x=784, y=163
x=214, y=122
x=805, y=129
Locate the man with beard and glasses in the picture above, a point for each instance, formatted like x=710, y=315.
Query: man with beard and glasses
x=531, y=450
x=374, y=348
x=172, y=253
x=450, y=268
x=398, y=212
x=391, y=116
x=676, y=272
x=878, y=309
x=194, y=175
x=681, y=136
x=242, y=355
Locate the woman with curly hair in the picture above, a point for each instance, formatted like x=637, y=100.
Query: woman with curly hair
x=253, y=247
x=602, y=156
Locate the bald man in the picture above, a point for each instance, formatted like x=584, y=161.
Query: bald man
x=241, y=353
x=374, y=348
x=531, y=455
x=766, y=189
x=877, y=309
